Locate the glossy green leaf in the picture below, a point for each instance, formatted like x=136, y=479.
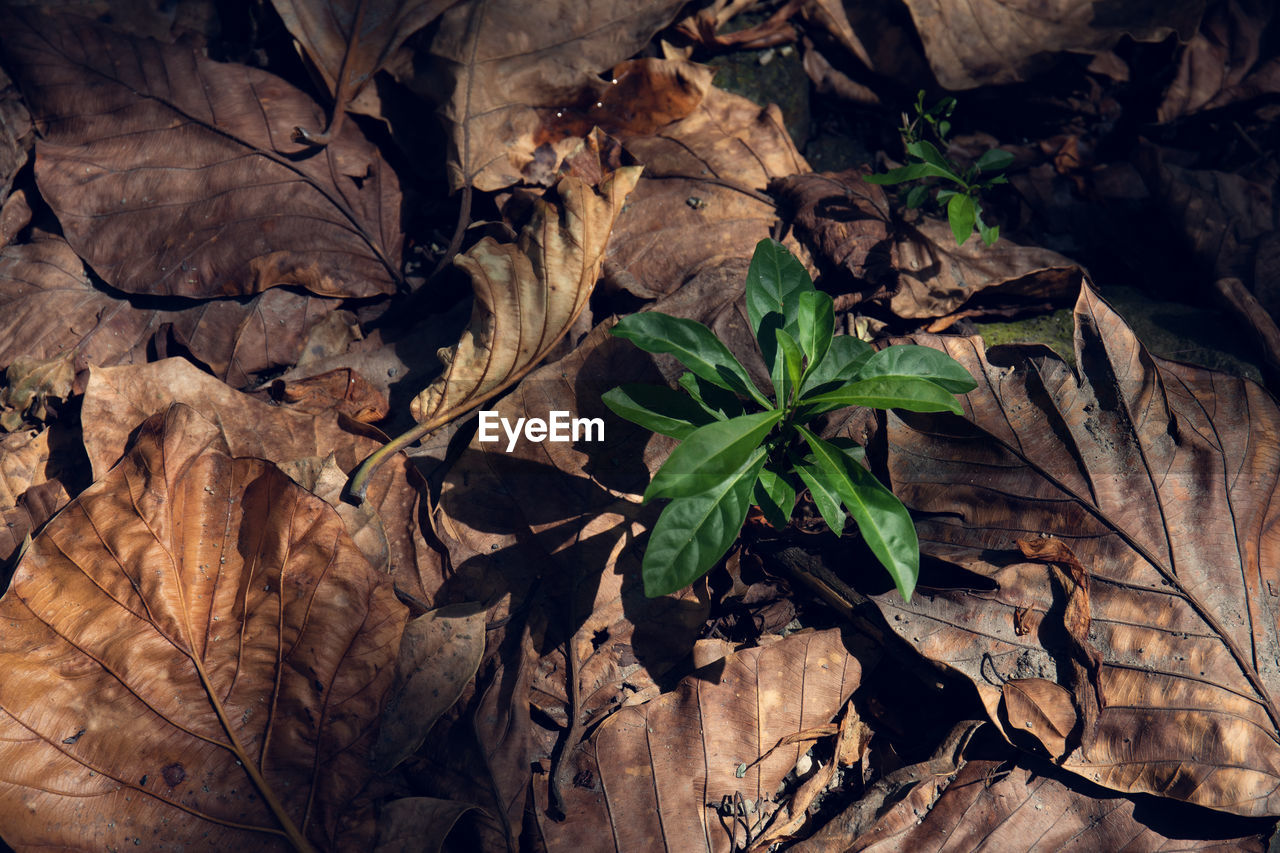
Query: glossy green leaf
x=776, y=497
x=994, y=160
x=911, y=172
x=923, y=362
x=718, y=402
x=845, y=357
x=961, y=214
x=696, y=347
x=693, y=533
x=824, y=497
x=789, y=368
x=817, y=323
x=882, y=520
x=775, y=281
x=710, y=454
x=657, y=408
x=927, y=152
x=882, y=392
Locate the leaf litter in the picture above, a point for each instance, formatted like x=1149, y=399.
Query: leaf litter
x=191, y=246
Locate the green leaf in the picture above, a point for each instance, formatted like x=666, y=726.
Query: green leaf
x=883, y=521
x=929, y=154
x=994, y=160
x=883, y=392
x=817, y=323
x=989, y=233
x=719, y=403
x=961, y=213
x=709, y=455
x=657, y=408
x=923, y=362
x=824, y=498
x=917, y=196
x=902, y=174
x=775, y=281
x=776, y=497
x=845, y=357
x=692, y=343
x=788, y=370
x=693, y=533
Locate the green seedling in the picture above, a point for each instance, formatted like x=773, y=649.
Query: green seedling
x=961, y=187
x=739, y=447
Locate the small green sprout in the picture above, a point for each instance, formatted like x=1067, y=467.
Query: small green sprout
x=738, y=447
x=927, y=162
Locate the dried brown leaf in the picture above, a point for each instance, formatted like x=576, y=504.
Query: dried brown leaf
x=990, y=806
x=117, y=399
x=196, y=654
x=1159, y=477
x=439, y=655
x=50, y=308
x=1220, y=65
x=508, y=67
x=1042, y=708
x=417, y=824
x=15, y=130
x=660, y=772
x=31, y=383
x=174, y=174
x=527, y=295
x=32, y=465
x=349, y=41
x=985, y=42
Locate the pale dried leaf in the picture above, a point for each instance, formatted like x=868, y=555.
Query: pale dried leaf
x=117, y=399
x=527, y=294
x=190, y=639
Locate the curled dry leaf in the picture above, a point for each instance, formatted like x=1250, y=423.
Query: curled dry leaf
x=527, y=295
x=117, y=399
x=989, y=42
x=195, y=655
x=509, y=67
x=173, y=174
x=990, y=806
x=659, y=772
x=48, y=307
x=31, y=383
x=1159, y=477
x=348, y=41
x=15, y=126
x=31, y=488
x=1220, y=65
x=439, y=655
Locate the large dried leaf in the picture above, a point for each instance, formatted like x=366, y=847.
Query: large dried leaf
x=659, y=772
x=348, y=41
x=50, y=308
x=508, y=67
x=990, y=806
x=984, y=42
x=117, y=399
x=194, y=653
x=527, y=294
x=1220, y=65
x=174, y=174
x=701, y=198
x=1157, y=478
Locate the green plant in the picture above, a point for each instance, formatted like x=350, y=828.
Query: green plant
x=927, y=164
x=738, y=447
